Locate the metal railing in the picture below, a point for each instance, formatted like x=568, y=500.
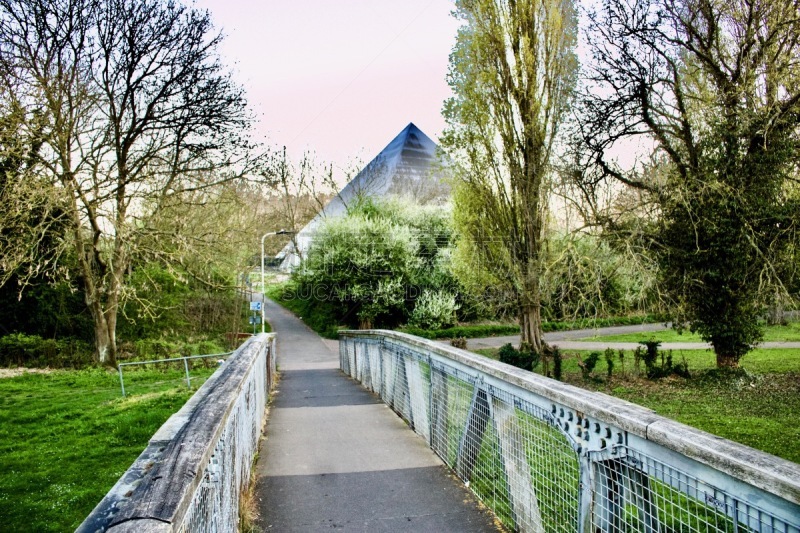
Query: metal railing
x=546, y=456
x=184, y=358
x=190, y=476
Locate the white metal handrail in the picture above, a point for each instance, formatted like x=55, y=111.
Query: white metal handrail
x=190, y=476
x=546, y=456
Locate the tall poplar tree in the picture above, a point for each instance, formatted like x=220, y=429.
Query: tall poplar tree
x=512, y=72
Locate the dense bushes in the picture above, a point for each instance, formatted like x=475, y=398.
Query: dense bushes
x=466, y=332
x=160, y=303
x=434, y=310
x=390, y=263
x=46, y=309
x=32, y=351
x=524, y=359
x=494, y=330
x=381, y=265
x=19, y=349
x=50, y=327
x=586, y=277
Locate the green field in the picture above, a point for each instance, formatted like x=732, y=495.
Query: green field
x=753, y=408
x=787, y=333
x=67, y=436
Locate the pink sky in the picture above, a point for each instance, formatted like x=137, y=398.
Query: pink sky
x=341, y=77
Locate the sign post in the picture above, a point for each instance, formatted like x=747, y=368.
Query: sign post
x=255, y=307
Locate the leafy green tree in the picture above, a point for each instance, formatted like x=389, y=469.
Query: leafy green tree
x=715, y=86
x=512, y=71
x=362, y=265
x=373, y=266
x=587, y=277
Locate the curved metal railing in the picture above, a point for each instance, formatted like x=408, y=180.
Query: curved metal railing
x=546, y=456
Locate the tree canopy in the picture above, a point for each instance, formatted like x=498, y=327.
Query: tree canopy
x=714, y=86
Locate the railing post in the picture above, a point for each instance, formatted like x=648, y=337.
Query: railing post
x=404, y=405
x=417, y=395
x=521, y=492
x=586, y=495
x=470, y=446
x=439, y=406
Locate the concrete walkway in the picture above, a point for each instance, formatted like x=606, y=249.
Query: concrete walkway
x=568, y=340
x=335, y=457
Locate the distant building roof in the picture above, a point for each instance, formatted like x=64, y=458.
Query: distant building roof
x=410, y=166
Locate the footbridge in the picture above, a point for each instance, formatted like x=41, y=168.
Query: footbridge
x=384, y=431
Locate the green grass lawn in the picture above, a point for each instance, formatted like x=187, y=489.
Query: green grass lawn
x=67, y=436
x=787, y=333
x=754, y=409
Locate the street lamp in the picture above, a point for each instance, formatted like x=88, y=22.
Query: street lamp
x=281, y=232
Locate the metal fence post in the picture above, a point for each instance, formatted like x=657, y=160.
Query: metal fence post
x=186, y=367
x=439, y=410
x=521, y=492
x=121, y=382
x=586, y=494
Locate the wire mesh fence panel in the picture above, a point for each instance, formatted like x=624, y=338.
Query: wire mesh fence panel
x=639, y=493
x=545, y=456
x=216, y=507
x=453, y=399
x=542, y=468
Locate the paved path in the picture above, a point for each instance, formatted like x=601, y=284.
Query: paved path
x=567, y=340
x=335, y=457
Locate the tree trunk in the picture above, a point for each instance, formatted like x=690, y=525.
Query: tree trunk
x=104, y=335
x=530, y=321
x=727, y=361
x=775, y=312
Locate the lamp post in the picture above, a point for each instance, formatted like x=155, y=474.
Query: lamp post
x=280, y=232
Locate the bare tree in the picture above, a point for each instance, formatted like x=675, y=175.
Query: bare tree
x=138, y=111
x=512, y=71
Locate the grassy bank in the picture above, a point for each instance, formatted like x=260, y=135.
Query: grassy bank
x=69, y=435
x=753, y=407
x=787, y=333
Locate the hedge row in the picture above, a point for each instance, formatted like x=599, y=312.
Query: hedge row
x=497, y=330
x=32, y=351
x=18, y=349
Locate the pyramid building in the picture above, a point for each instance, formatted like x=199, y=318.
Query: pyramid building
x=410, y=166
